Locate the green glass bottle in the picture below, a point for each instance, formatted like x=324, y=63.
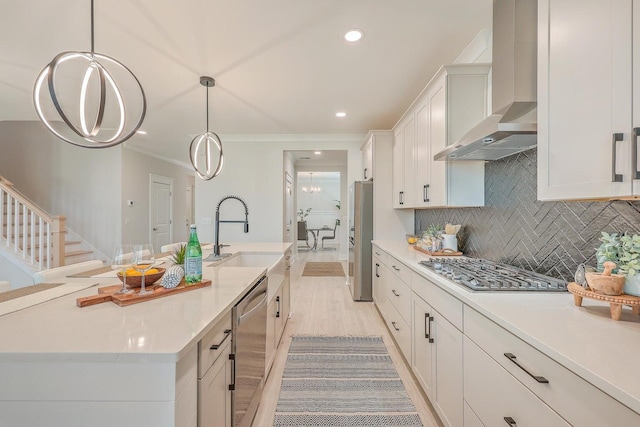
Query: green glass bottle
x=193, y=258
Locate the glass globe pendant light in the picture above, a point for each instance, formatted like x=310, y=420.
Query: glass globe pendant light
x=95, y=123
x=204, y=145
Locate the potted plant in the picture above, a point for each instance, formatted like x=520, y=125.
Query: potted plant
x=624, y=250
x=302, y=214
x=179, y=255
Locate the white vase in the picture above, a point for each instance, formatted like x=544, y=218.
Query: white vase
x=450, y=241
x=632, y=285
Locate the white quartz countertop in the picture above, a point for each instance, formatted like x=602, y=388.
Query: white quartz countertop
x=159, y=330
x=584, y=339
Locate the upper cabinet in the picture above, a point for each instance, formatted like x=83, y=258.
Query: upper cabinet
x=452, y=103
x=588, y=99
x=367, y=159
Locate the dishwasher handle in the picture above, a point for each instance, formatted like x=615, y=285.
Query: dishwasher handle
x=246, y=316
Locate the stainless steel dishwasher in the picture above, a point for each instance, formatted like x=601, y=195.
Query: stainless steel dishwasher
x=249, y=338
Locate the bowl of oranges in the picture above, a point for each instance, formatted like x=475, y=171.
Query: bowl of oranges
x=134, y=277
x=412, y=239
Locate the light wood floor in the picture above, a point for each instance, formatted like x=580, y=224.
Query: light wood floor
x=323, y=306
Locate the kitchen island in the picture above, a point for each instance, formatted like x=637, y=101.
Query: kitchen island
x=587, y=358
x=106, y=365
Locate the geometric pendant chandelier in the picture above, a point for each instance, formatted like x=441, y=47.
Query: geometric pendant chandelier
x=86, y=104
x=207, y=146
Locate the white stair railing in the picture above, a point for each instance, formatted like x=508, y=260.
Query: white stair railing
x=28, y=231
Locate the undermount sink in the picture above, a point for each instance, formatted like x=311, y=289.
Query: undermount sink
x=250, y=260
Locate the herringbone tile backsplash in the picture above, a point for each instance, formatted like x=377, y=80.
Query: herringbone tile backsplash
x=514, y=228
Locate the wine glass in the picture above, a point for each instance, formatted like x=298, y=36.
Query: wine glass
x=121, y=260
x=143, y=260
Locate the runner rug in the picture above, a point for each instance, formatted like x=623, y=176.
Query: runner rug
x=342, y=381
x=323, y=269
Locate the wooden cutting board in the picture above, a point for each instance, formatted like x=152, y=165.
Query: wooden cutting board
x=106, y=293
x=444, y=252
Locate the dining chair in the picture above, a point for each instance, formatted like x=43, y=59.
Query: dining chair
x=58, y=273
x=303, y=233
x=330, y=237
x=172, y=247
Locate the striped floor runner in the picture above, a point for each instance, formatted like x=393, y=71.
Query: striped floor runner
x=342, y=381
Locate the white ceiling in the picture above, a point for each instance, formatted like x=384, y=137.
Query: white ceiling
x=281, y=66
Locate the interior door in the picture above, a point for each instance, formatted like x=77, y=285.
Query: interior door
x=160, y=212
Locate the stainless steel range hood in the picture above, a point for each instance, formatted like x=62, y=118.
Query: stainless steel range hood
x=513, y=126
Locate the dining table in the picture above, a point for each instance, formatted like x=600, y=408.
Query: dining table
x=315, y=232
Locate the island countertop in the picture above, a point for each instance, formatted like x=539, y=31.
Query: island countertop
x=160, y=330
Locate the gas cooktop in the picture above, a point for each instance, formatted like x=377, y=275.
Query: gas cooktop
x=483, y=275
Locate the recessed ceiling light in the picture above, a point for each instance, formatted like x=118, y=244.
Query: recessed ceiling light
x=141, y=132
x=353, y=35
x=341, y=114
x=317, y=153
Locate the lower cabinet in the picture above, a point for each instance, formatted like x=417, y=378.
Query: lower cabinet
x=437, y=361
x=214, y=376
x=278, y=310
x=497, y=398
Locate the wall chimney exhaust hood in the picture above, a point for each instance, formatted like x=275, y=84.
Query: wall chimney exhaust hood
x=513, y=126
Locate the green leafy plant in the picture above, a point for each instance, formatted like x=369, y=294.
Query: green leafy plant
x=302, y=214
x=629, y=254
x=179, y=255
x=434, y=230
x=624, y=250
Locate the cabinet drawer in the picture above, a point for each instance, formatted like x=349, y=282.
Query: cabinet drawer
x=400, y=330
x=578, y=401
x=507, y=398
x=399, y=293
x=447, y=305
x=401, y=270
x=380, y=254
x=210, y=347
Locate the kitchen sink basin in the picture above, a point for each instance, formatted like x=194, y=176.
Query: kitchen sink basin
x=251, y=260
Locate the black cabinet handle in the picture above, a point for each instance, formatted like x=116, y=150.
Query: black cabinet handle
x=278, y=309
x=377, y=267
x=634, y=154
x=429, y=317
x=232, y=357
x=510, y=421
x=615, y=177
x=395, y=268
x=425, y=192
x=393, y=291
x=365, y=173
x=538, y=378
x=394, y=326
x=426, y=320
x=227, y=334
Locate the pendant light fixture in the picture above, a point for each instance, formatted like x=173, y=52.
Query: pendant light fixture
x=98, y=124
x=201, y=145
x=311, y=189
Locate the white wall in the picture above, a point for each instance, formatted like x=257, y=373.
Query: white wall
x=254, y=171
x=82, y=184
x=136, y=168
x=15, y=275
x=322, y=204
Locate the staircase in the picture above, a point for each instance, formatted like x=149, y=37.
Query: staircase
x=32, y=235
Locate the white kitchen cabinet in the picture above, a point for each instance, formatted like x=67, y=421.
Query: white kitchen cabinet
x=509, y=402
x=214, y=376
x=214, y=397
x=403, y=163
x=588, y=99
x=577, y=401
x=388, y=223
x=278, y=308
x=437, y=361
x=453, y=102
x=367, y=159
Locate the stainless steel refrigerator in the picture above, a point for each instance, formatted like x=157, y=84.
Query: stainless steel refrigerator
x=360, y=236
